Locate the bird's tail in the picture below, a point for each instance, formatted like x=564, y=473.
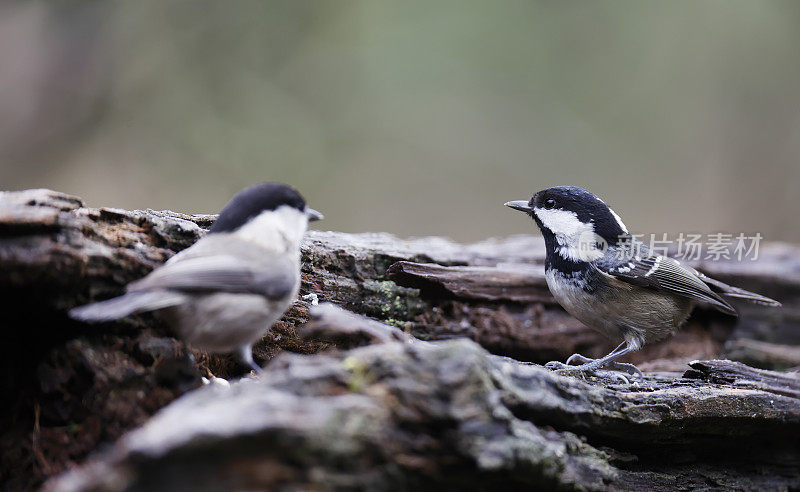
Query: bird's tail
x=124, y=305
x=731, y=291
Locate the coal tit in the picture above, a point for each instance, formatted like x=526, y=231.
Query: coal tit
x=610, y=281
x=224, y=292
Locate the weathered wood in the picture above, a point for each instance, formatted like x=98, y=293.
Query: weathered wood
x=741, y=376
x=75, y=387
x=345, y=329
x=408, y=414
x=763, y=355
x=522, y=283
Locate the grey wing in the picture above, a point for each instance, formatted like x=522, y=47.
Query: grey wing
x=731, y=291
x=274, y=278
x=662, y=273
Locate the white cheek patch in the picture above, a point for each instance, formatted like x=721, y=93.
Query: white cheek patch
x=576, y=240
x=561, y=222
x=281, y=229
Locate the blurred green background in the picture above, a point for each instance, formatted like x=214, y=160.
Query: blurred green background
x=412, y=117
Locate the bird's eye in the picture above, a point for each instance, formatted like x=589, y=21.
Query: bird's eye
x=549, y=203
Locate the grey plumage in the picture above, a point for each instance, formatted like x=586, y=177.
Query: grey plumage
x=224, y=292
x=125, y=305
x=664, y=274
x=736, y=292
x=238, y=268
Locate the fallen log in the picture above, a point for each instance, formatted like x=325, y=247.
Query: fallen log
x=409, y=414
x=76, y=387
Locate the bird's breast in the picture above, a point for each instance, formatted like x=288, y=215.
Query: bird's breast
x=575, y=295
x=616, y=308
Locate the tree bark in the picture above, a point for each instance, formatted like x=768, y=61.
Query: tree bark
x=419, y=368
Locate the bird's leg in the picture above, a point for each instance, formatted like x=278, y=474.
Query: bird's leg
x=245, y=353
x=591, y=365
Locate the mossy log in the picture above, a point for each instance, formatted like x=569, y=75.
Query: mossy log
x=422, y=372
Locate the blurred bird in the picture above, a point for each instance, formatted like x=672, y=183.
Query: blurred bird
x=226, y=291
x=611, y=282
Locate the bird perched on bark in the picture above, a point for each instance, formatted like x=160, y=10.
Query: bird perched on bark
x=224, y=292
x=612, y=282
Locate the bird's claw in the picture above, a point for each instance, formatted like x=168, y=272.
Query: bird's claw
x=626, y=367
x=560, y=366
x=555, y=365
x=621, y=378
x=586, y=366
x=581, y=359
x=617, y=366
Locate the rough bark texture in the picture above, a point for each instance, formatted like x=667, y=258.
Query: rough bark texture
x=415, y=407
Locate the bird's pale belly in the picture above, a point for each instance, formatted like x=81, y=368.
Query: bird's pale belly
x=628, y=312
x=223, y=322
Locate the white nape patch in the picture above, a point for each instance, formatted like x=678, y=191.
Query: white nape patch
x=279, y=230
x=654, y=267
x=576, y=240
x=619, y=220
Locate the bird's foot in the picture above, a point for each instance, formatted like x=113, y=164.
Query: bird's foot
x=582, y=369
x=626, y=367
x=613, y=375
x=617, y=366
x=593, y=366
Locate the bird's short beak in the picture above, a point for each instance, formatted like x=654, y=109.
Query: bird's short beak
x=520, y=205
x=313, y=215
